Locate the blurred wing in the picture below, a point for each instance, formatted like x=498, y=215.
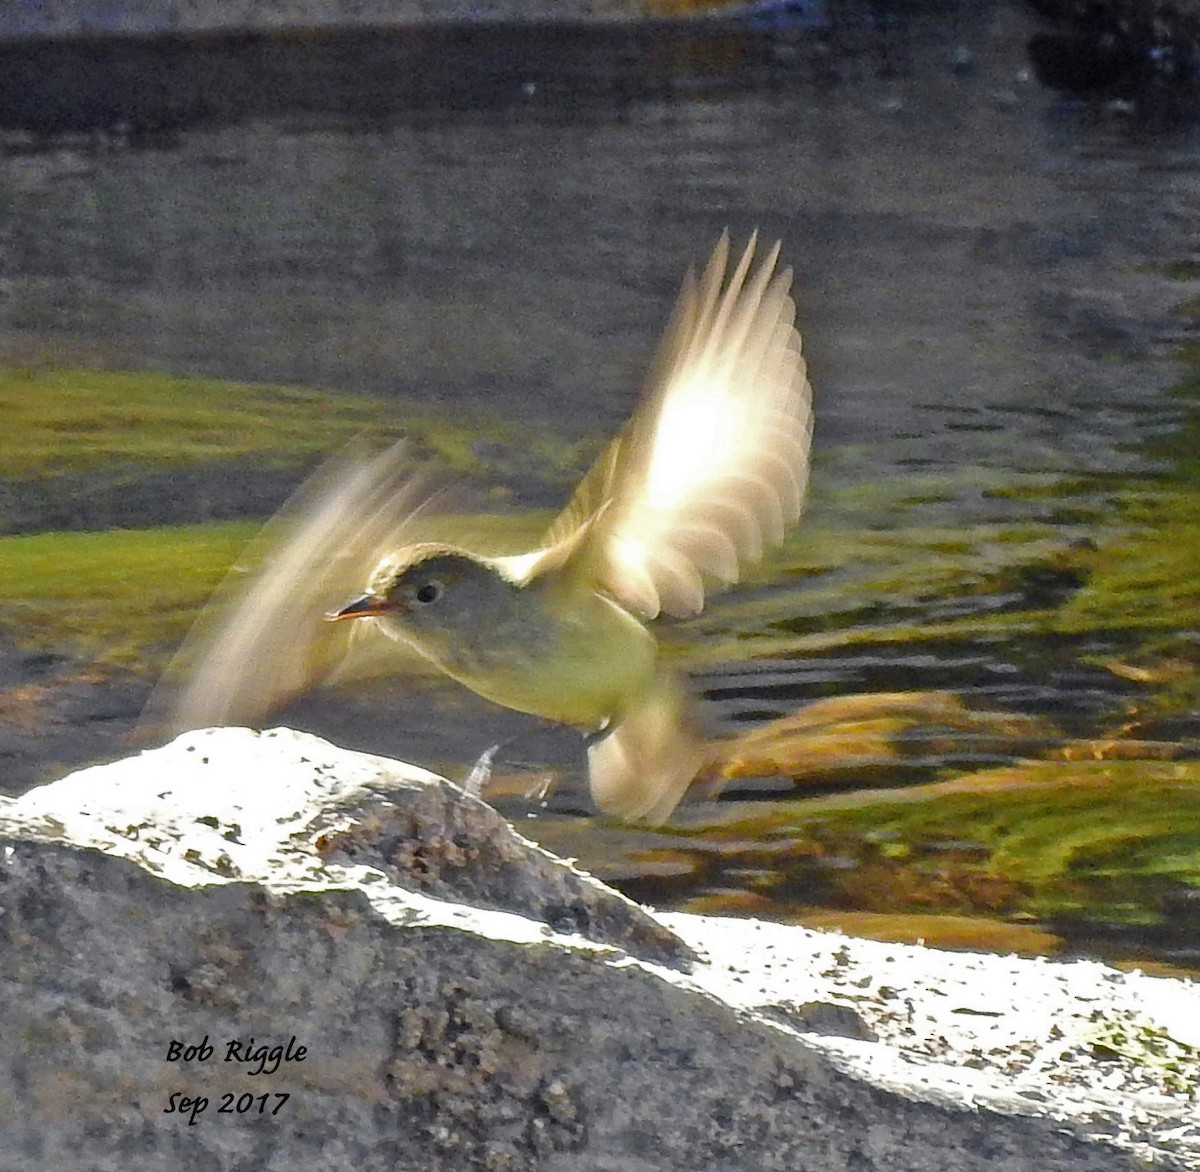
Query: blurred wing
x=263, y=639
x=641, y=770
x=713, y=466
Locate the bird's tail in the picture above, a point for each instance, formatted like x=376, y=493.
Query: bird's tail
x=642, y=768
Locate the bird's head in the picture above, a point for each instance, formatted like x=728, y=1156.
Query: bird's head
x=439, y=598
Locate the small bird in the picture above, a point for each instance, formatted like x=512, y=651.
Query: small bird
x=709, y=471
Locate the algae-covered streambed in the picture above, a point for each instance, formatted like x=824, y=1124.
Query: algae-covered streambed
x=981, y=735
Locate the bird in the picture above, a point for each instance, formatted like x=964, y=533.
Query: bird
x=708, y=473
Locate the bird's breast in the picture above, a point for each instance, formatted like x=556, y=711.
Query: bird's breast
x=567, y=656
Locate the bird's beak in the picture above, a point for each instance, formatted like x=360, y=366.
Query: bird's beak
x=360, y=608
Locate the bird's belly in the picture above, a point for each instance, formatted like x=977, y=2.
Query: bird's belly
x=576, y=672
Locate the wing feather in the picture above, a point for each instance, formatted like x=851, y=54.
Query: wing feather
x=262, y=641
x=714, y=464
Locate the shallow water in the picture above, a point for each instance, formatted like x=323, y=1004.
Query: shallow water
x=986, y=275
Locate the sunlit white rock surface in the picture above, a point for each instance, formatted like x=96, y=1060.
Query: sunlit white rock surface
x=466, y=1001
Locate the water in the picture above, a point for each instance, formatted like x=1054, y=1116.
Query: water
x=986, y=278
x=975, y=261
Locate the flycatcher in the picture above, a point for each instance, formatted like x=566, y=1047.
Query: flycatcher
x=709, y=472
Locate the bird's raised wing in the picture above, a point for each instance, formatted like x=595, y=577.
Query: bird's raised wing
x=262, y=641
x=714, y=464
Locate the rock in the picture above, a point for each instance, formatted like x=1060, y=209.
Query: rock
x=258, y=950
x=101, y=18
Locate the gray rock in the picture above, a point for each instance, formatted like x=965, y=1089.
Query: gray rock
x=92, y=17
x=259, y=951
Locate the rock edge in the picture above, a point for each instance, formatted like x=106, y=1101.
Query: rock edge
x=70, y=18
x=466, y=1001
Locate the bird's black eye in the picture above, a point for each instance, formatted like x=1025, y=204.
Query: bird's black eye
x=429, y=592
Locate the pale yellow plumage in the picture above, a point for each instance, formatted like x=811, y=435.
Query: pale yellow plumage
x=709, y=471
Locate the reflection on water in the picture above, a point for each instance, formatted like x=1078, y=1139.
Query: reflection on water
x=975, y=271
x=986, y=277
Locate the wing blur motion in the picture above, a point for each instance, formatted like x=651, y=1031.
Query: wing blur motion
x=642, y=768
x=262, y=641
x=714, y=465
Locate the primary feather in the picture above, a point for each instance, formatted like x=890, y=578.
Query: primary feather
x=713, y=466
x=261, y=641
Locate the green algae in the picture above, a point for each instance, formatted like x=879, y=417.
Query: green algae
x=74, y=420
x=1110, y=841
x=124, y=596
x=56, y=421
